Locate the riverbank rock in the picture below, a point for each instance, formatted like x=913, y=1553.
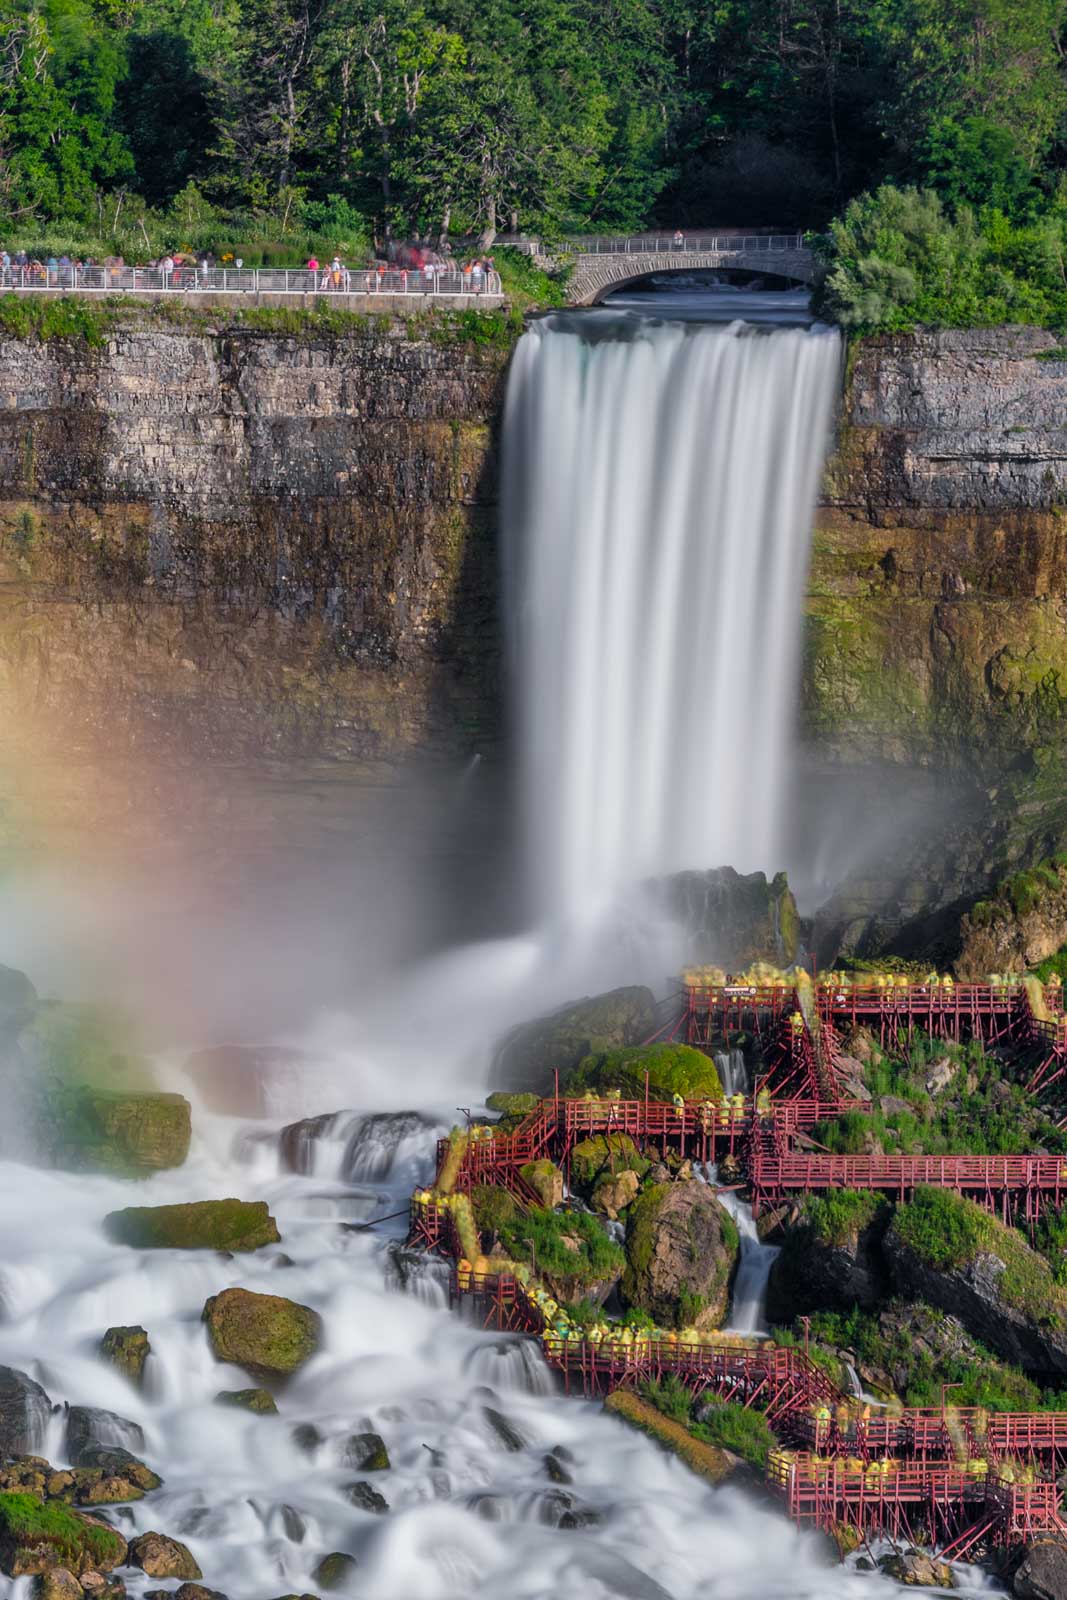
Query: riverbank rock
x=1042, y=1573
x=954, y=1255
x=195, y=1225
x=1022, y=923
x=917, y=1569
x=258, y=1400
x=681, y=1249
x=264, y=1333
x=127, y=1349
x=831, y=1257
x=59, y=1584
x=25, y=1410
x=194, y=1591
x=120, y=1131
x=366, y=1498
x=611, y=1195
x=526, y=1058
x=163, y=1557
x=36, y=1536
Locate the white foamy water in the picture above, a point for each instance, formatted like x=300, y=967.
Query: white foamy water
x=468, y=1516
x=660, y=481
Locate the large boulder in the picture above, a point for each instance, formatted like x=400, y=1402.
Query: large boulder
x=732, y=919
x=25, y=1411
x=89, y=1427
x=162, y=1557
x=681, y=1249
x=127, y=1349
x=264, y=1333
x=1042, y=1573
x=525, y=1060
x=668, y=1069
x=706, y=1460
x=954, y=1255
x=258, y=1400
x=36, y=1536
x=195, y=1225
x=831, y=1258
x=604, y=1154
x=120, y=1131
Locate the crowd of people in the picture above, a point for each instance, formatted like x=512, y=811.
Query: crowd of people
x=409, y=269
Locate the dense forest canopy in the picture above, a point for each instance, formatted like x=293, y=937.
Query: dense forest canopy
x=132, y=119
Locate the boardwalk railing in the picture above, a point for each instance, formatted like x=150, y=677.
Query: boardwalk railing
x=248, y=280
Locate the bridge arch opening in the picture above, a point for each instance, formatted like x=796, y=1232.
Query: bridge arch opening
x=719, y=293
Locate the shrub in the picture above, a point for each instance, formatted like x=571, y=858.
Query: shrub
x=836, y=1217
x=25, y=1520
x=493, y=1208
x=594, y=1259
x=670, y=1396
x=747, y=1433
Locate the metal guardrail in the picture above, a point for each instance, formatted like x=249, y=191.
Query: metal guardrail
x=249, y=280
x=690, y=243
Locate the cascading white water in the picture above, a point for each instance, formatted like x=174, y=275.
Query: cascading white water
x=659, y=486
x=733, y=1071
x=749, y=1298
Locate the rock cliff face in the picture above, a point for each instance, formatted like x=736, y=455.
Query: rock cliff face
x=242, y=544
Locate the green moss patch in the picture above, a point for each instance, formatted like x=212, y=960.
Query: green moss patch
x=264, y=1333
x=605, y=1152
x=567, y=1246
x=839, y=1216
x=26, y=1523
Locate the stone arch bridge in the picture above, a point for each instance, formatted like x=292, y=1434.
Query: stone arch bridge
x=601, y=265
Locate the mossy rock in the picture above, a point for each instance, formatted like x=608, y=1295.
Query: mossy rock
x=367, y=1453
x=126, y=1133
x=258, y=1400
x=127, y=1349
x=334, y=1570
x=546, y=1181
x=681, y=1249
x=195, y=1225
x=264, y=1333
x=610, y=1153
x=493, y=1207
x=163, y=1557
x=512, y=1105
x=35, y=1536
x=672, y=1069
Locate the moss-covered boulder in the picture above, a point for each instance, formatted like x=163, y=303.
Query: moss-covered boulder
x=366, y=1452
x=195, y=1225
x=527, y=1057
x=571, y=1250
x=546, y=1181
x=956, y=1256
x=36, y=1536
x=163, y=1557
x=264, y=1333
x=493, y=1207
x=614, y=1192
x=334, y=1571
x=512, y=1105
x=1021, y=924
x=681, y=1250
x=59, y=1584
x=258, y=1400
x=114, y=1130
x=127, y=1349
x=831, y=1258
x=604, y=1153
x=671, y=1069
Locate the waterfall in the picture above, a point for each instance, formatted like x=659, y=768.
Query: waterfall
x=753, y=1269
x=659, y=485
x=733, y=1071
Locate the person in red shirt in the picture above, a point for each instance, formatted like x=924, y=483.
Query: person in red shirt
x=313, y=264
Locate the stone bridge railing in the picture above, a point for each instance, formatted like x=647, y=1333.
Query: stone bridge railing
x=603, y=264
